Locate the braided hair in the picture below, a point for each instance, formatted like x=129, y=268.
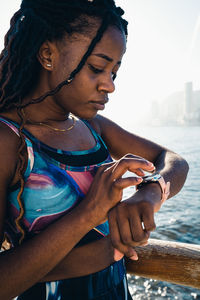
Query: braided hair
x=34, y=23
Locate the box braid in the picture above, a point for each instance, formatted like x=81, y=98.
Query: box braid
x=35, y=22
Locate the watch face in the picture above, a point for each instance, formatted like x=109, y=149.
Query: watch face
x=152, y=177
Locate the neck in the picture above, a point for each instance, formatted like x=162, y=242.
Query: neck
x=46, y=111
x=47, y=125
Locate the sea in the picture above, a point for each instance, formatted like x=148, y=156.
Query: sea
x=179, y=218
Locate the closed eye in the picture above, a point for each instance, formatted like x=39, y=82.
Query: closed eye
x=98, y=71
x=95, y=70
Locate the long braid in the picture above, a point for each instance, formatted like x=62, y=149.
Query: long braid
x=22, y=164
x=36, y=22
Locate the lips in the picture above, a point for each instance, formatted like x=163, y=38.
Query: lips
x=99, y=105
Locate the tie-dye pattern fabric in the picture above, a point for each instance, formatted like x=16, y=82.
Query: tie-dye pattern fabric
x=52, y=189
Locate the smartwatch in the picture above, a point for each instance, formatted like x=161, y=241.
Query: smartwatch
x=156, y=178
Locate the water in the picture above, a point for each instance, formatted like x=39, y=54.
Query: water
x=178, y=219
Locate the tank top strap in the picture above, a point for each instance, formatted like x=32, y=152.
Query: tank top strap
x=15, y=128
x=94, y=133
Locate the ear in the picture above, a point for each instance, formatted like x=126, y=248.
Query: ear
x=46, y=55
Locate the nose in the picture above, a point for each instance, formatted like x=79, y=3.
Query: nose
x=106, y=85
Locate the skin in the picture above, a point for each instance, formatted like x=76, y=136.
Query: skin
x=132, y=220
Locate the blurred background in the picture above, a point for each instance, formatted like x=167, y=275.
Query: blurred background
x=159, y=81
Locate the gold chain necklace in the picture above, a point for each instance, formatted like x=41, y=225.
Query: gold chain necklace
x=49, y=126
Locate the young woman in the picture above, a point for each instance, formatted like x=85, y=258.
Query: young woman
x=61, y=164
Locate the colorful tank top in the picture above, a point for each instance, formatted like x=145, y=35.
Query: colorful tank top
x=55, y=182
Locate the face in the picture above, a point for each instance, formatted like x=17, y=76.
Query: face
x=89, y=91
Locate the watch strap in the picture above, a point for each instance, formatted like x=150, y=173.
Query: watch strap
x=157, y=178
x=165, y=188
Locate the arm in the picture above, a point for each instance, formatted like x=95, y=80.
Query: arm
x=84, y=260
x=28, y=263
x=120, y=142
x=132, y=220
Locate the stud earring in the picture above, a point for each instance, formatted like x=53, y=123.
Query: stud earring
x=48, y=65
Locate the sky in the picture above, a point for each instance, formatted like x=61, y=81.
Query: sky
x=163, y=52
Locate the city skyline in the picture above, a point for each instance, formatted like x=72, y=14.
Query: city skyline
x=181, y=108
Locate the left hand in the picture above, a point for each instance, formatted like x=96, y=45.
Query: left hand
x=132, y=220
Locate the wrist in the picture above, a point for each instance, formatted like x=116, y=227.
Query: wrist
x=85, y=216
x=151, y=193
x=159, y=180
x=89, y=213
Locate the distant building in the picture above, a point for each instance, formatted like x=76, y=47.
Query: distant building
x=179, y=108
x=188, y=101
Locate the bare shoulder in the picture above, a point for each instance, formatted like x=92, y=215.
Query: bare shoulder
x=95, y=124
x=102, y=124
x=9, y=142
x=121, y=141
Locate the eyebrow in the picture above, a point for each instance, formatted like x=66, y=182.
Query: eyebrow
x=106, y=57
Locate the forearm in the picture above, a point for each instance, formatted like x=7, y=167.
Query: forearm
x=25, y=265
x=173, y=168
x=84, y=260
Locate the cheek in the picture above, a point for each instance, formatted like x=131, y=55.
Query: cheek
x=61, y=70
x=62, y=74
x=83, y=83
x=75, y=92
x=56, y=78
x=81, y=87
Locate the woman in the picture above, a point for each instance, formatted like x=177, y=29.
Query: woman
x=61, y=188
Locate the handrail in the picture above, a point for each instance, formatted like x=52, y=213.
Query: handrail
x=178, y=263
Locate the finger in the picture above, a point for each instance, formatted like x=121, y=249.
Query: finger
x=124, y=230
x=123, y=183
x=130, y=155
x=115, y=237
x=104, y=167
x=134, y=255
x=139, y=172
x=143, y=244
x=148, y=219
x=117, y=255
x=139, y=235
x=126, y=250
x=105, y=170
x=130, y=164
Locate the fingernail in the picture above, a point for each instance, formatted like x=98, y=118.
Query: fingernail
x=139, y=179
x=117, y=255
x=134, y=257
x=150, y=164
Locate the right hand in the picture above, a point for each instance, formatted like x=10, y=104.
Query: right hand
x=107, y=187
